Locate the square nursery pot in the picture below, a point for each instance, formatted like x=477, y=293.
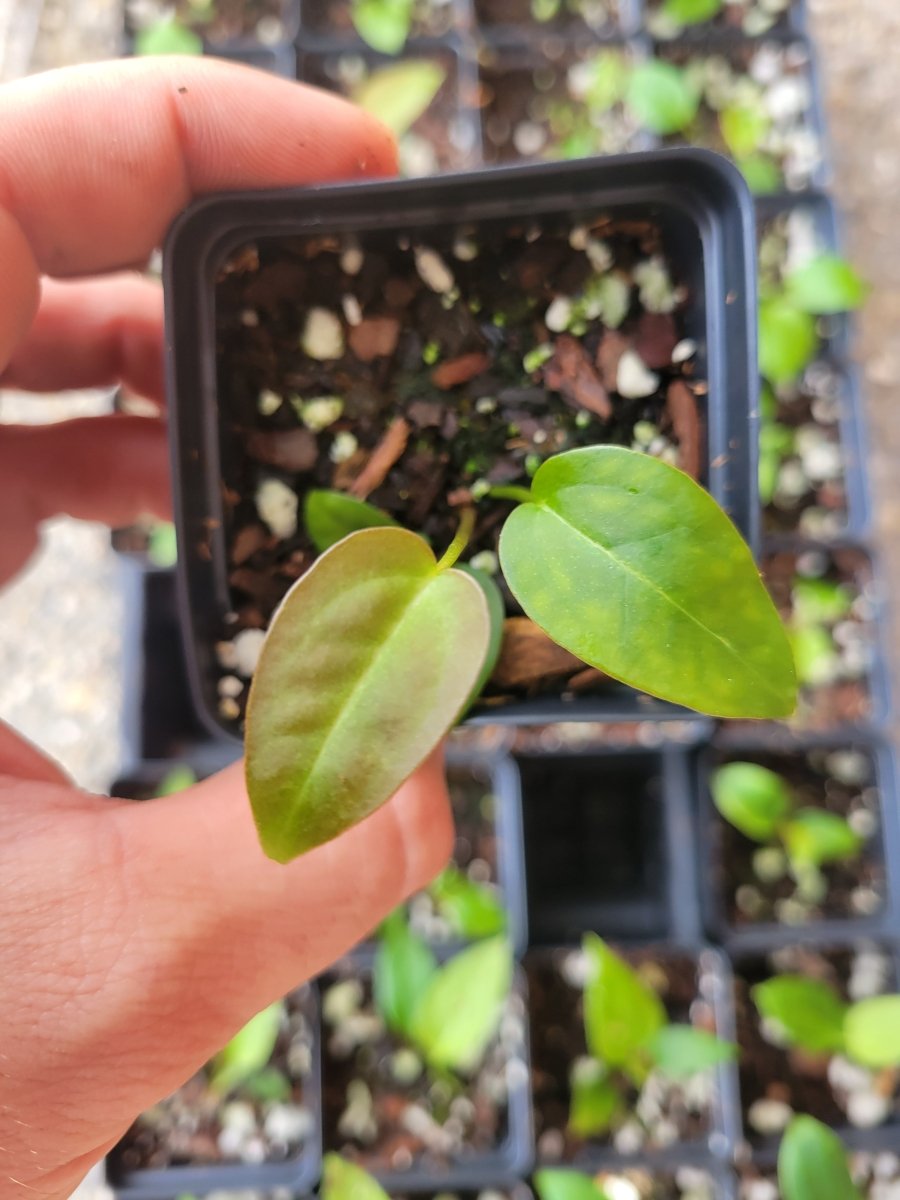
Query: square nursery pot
x=783, y=72
x=331, y=21
x=840, y=649
x=402, y=1130
x=609, y=846
x=776, y=1082
x=518, y=21
x=743, y=19
x=446, y=136
x=746, y=906
x=227, y=27
x=485, y=797
x=696, y=1122
x=241, y=275
x=194, y=1143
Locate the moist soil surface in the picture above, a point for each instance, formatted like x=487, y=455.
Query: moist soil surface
x=196, y=1127
x=558, y=1041
x=445, y=378
x=811, y=777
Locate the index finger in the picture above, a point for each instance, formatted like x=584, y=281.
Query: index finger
x=96, y=161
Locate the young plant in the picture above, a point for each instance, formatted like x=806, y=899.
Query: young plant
x=168, y=36
x=471, y=909
x=760, y=805
x=162, y=544
x=553, y=1183
x=400, y=93
x=788, y=337
x=622, y=560
x=812, y=1163
x=342, y=1180
x=629, y=1036
x=244, y=1062
x=811, y=1016
x=383, y=24
x=448, y=1014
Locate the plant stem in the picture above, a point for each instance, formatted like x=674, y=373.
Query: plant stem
x=459, y=543
x=521, y=494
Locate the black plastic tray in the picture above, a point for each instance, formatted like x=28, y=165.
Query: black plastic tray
x=697, y=197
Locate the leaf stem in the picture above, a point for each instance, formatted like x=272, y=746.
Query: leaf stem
x=460, y=541
x=511, y=492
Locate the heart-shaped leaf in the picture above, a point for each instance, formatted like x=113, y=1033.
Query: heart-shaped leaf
x=814, y=837
x=398, y=94
x=872, y=1032
x=809, y=1011
x=679, y=1051
x=621, y=1012
x=751, y=798
x=342, y=1180
x=331, y=516
x=460, y=1009
x=630, y=565
x=248, y=1051
x=812, y=1163
x=743, y=128
x=366, y=665
x=826, y=284
x=383, y=24
x=404, y=965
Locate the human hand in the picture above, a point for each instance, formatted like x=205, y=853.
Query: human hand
x=136, y=939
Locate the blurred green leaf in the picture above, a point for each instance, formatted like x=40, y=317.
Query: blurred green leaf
x=472, y=909
x=814, y=837
x=812, y=1163
x=788, y=340
x=497, y=615
x=690, y=12
x=662, y=97
x=556, y=1184
x=608, y=72
x=815, y=655
x=400, y=93
x=872, y=1032
x=595, y=1103
x=819, y=600
x=162, y=545
x=176, y=779
x=331, y=516
x=810, y=1012
x=167, y=37
x=826, y=284
x=679, y=1051
x=404, y=965
x=762, y=173
x=343, y=1180
x=248, y=1052
x=751, y=798
x=776, y=443
x=383, y=24
x=743, y=128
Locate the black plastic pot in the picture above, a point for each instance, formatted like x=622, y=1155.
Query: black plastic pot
x=883, y=850
x=504, y=1165
x=720, y=1143
x=297, y=1176
x=706, y=217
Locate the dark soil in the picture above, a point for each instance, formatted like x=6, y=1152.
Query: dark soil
x=774, y=1073
x=333, y=18
x=381, y=1119
x=436, y=394
x=572, y=16
x=222, y=21
x=185, y=1129
x=811, y=778
x=474, y=818
x=533, y=107
x=557, y=1041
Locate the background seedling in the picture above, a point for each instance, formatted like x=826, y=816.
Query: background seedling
x=812, y=1163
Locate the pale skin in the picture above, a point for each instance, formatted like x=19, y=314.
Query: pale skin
x=136, y=939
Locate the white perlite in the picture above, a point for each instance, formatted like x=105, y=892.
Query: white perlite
x=277, y=504
x=320, y=412
x=433, y=271
x=559, y=314
x=269, y=402
x=769, y=1116
x=247, y=646
x=323, y=335
x=343, y=447
x=352, y=259
x=633, y=379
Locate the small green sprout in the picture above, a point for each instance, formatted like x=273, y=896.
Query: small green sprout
x=167, y=36
x=662, y=97
x=776, y=444
x=472, y=910
x=812, y=1163
x=245, y=1059
x=812, y=1016
x=449, y=1013
x=684, y=13
x=555, y=1183
x=817, y=605
x=162, y=545
x=400, y=93
x=628, y=1036
x=342, y=1180
x=383, y=24
x=759, y=803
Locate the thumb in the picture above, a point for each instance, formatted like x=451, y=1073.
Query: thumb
x=166, y=928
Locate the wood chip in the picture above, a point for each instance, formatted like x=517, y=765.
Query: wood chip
x=571, y=373
x=459, y=370
x=374, y=337
x=288, y=450
x=612, y=346
x=528, y=656
x=425, y=414
x=681, y=404
x=381, y=459
x=655, y=339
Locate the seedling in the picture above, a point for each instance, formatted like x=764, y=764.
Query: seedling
x=447, y=1014
x=342, y=1180
x=812, y=1163
x=552, y=1183
x=621, y=559
x=244, y=1062
x=384, y=24
x=810, y=1015
x=400, y=93
x=788, y=336
x=759, y=803
x=817, y=606
x=162, y=545
x=167, y=36
x=628, y=1036
x=471, y=909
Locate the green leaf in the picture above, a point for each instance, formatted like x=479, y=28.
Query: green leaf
x=814, y=654
x=788, y=340
x=162, y=545
x=460, y=1009
x=776, y=442
x=690, y=12
x=752, y=799
x=269, y=1086
x=497, y=615
x=679, y=1051
x=743, y=128
x=472, y=909
x=872, y=1032
x=826, y=284
x=331, y=516
x=176, y=779
x=621, y=1012
x=814, y=837
x=398, y=94
x=167, y=37
x=384, y=24
x=343, y=1180
x=662, y=97
x=814, y=601
x=404, y=965
x=812, y=1163
x=555, y=1184
x=762, y=173
x=595, y=1103
x=366, y=665
x=608, y=81
x=248, y=1051
x=810, y=1012
x=630, y=565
